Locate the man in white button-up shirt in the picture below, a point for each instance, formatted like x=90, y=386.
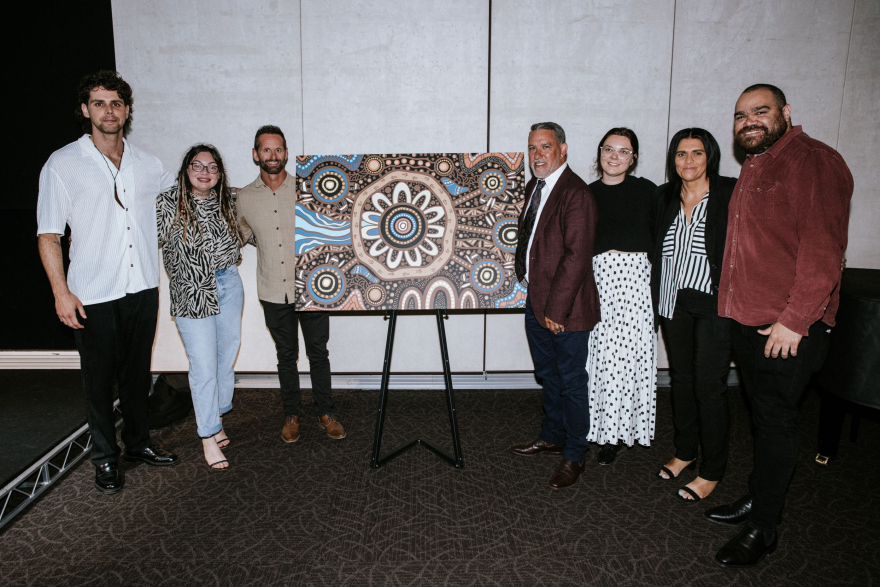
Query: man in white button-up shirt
x=105, y=189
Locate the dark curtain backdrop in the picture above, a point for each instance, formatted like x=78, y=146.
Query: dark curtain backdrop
x=52, y=46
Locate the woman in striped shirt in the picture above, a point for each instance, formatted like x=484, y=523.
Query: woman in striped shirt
x=690, y=226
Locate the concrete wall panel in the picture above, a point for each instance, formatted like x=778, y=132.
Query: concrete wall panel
x=589, y=66
x=724, y=46
x=394, y=77
x=859, y=141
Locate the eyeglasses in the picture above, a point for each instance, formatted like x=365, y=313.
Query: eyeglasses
x=622, y=153
x=198, y=166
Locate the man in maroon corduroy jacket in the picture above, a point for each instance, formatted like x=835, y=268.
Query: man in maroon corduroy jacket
x=786, y=236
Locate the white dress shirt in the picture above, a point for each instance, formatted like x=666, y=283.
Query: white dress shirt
x=549, y=184
x=114, y=249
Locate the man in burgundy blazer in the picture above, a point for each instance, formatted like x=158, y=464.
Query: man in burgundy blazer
x=554, y=260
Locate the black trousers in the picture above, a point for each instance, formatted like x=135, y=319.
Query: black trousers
x=699, y=362
x=773, y=388
x=116, y=345
x=282, y=321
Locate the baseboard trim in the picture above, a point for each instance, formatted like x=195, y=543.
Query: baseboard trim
x=39, y=360
x=523, y=380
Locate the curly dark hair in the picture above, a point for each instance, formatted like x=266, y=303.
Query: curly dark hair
x=187, y=217
x=109, y=80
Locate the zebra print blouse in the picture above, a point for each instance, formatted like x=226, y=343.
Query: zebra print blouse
x=191, y=263
x=685, y=264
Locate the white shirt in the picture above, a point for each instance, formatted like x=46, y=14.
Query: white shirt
x=114, y=250
x=549, y=184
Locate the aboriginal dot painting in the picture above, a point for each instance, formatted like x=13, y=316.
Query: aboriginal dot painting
x=408, y=232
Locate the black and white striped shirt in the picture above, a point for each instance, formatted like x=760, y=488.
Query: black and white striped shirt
x=685, y=264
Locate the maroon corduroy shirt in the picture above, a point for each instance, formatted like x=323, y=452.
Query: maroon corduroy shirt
x=786, y=235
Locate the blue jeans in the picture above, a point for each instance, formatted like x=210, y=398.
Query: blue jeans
x=212, y=346
x=559, y=361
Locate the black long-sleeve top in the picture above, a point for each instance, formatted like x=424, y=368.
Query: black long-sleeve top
x=624, y=215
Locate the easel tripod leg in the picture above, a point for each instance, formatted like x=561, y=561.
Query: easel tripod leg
x=383, y=391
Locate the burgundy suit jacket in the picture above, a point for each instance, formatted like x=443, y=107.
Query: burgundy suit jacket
x=561, y=282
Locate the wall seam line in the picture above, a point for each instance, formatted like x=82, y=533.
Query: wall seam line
x=489, y=83
x=852, y=25
x=671, y=69
x=302, y=83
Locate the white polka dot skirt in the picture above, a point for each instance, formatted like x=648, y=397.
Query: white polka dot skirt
x=623, y=352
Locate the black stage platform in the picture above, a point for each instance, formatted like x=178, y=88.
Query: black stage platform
x=37, y=410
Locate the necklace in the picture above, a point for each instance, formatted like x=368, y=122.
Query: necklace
x=113, y=175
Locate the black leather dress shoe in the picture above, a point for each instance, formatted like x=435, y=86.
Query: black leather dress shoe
x=537, y=446
x=730, y=514
x=746, y=549
x=109, y=479
x=152, y=456
x=566, y=474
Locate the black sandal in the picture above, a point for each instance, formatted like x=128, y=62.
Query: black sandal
x=692, y=465
x=690, y=492
x=213, y=468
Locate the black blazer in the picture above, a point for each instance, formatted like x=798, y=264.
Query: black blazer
x=666, y=207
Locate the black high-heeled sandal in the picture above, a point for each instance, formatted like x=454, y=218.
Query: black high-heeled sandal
x=692, y=465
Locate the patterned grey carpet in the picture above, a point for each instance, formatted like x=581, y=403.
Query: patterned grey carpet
x=314, y=513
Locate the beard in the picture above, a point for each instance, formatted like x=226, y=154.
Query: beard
x=264, y=165
x=109, y=128
x=760, y=143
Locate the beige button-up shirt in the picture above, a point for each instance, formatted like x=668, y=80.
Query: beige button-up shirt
x=270, y=217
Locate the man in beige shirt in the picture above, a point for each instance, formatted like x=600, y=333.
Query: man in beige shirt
x=267, y=217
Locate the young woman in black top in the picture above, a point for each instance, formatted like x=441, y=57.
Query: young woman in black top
x=622, y=363
x=690, y=227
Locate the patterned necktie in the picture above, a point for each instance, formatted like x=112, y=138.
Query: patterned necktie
x=522, y=244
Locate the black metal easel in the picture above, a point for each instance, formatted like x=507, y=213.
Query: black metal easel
x=376, y=461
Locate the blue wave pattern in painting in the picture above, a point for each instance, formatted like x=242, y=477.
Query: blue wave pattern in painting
x=314, y=230
x=518, y=289
x=453, y=188
x=361, y=270
x=350, y=162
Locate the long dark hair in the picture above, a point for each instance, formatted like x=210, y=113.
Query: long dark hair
x=185, y=198
x=713, y=157
x=623, y=132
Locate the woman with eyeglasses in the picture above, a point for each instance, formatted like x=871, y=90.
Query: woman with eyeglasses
x=690, y=227
x=199, y=237
x=622, y=363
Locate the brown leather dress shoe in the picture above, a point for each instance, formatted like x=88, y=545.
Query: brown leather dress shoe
x=290, y=432
x=332, y=426
x=537, y=446
x=566, y=474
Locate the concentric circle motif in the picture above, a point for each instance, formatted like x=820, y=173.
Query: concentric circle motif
x=443, y=166
x=326, y=284
x=492, y=182
x=506, y=234
x=375, y=295
x=330, y=185
x=374, y=164
x=487, y=276
x=402, y=226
